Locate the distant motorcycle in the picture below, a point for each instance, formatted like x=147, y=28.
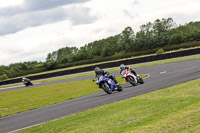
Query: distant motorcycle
x=27, y=82
x=131, y=78
x=107, y=84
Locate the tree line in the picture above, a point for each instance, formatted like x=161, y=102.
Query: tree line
x=162, y=33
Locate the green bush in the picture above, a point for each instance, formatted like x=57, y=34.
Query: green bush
x=3, y=77
x=160, y=51
x=181, y=49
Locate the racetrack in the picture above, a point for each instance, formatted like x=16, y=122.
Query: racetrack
x=161, y=76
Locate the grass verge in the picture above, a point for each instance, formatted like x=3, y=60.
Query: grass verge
x=31, y=98
x=174, y=109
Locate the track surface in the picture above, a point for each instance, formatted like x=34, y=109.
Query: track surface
x=161, y=76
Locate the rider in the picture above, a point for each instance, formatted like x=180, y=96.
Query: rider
x=123, y=67
x=100, y=72
x=25, y=80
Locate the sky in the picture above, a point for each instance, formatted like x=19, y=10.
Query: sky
x=30, y=29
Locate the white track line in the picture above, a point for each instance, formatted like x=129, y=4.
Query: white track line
x=148, y=75
x=163, y=72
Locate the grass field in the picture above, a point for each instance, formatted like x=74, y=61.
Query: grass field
x=175, y=109
x=31, y=98
x=110, y=70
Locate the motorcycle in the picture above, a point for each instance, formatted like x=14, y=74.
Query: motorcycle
x=107, y=84
x=131, y=78
x=28, y=82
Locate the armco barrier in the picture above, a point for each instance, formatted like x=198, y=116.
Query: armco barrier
x=108, y=65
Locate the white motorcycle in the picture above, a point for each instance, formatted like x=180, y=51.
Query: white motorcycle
x=131, y=78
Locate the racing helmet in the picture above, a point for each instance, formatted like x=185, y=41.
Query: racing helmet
x=97, y=70
x=122, y=66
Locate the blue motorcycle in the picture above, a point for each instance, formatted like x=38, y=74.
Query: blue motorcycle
x=107, y=84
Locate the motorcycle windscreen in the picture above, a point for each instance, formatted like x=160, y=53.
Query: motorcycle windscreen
x=123, y=73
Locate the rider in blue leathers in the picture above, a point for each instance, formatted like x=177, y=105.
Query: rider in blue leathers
x=100, y=72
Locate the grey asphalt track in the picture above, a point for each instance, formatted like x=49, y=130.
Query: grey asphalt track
x=161, y=76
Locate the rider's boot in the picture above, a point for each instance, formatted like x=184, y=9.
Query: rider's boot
x=116, y=82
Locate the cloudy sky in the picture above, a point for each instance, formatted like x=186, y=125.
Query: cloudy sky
x=30, y=29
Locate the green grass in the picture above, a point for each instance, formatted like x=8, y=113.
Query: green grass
x=111, y=70
x=31, y=98
x=175, y=109
x=10, y=85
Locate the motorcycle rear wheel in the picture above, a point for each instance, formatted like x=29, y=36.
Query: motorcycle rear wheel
x=119, y=88
x=141, y=81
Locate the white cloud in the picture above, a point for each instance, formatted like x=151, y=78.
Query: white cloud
x=7, y=3
x=29, y=43
x=42, y=31
x=14, y=23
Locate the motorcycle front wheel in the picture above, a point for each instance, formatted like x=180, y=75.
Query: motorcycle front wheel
x=132, y=81
x=106, y=88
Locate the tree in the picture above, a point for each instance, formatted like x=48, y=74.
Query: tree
x=145, y=37
x=126, y=39
x=160, y=30
x=3, y=77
